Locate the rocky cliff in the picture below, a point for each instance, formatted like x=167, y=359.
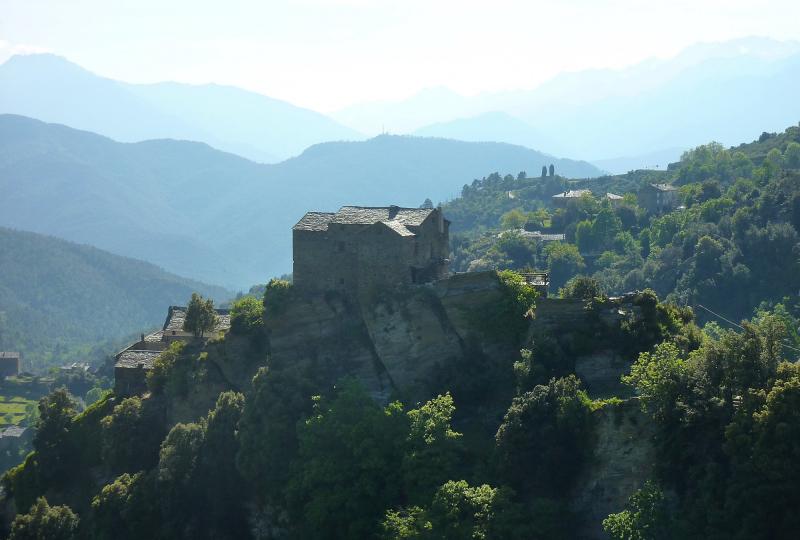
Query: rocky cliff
x=395, y=341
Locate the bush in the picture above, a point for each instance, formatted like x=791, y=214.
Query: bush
x=247, y=316
x=276, y=297
x=544, y=438
x=45, y=522
x=507, y=318
x=581, y=288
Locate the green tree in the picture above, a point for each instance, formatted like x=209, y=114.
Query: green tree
x=433, y=448
x=459, y=511
x=276, y=297
x=159, y=377
x=94, y=395
x=347, y=470
x=543, y=439
x=224, y=488
x=581, y=287
x=45, y=522
x=132, y=435
x=774, y=160
x=791, y=155
x=407, y=524
x=539, y=217
x=658, y=378
x=513, y=219
x=201, y=317
x=125, y=509
x=563, y=261
x=178, y=482
x=247, y=316
x=645, y=518
x=267, y=430
x=55, y=447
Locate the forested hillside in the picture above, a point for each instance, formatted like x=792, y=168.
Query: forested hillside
x=63, y=302
x=209, y=215
x=731, y=245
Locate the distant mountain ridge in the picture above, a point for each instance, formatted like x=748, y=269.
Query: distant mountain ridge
x=710, y=91
x=214, y=216
x=59, y=299
x=52, y=89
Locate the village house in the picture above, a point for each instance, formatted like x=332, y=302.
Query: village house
x=561, y=200
x=658, y=198
x=539, y=236
x=9, y=364
x=358, y=248
x=133, y=362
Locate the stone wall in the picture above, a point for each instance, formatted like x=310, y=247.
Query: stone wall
x=351, y=258
x=622, y=460
x=582, y=332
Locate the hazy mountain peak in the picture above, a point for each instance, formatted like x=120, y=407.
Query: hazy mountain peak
x=54, y=89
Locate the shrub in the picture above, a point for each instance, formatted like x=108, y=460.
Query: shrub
x=247, y=316
x=276, y=297
x=544, y=437
x=581, y=287
x=45, y=521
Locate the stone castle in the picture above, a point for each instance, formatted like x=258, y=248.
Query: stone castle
x=358, y=248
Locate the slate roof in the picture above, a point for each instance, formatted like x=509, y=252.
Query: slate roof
x=177, y=314
x=154, y=337
x=664, y=187
x=13, y=431
x=573, y=194
x=536, y=235
x=132, y=359
x=9, y=354
x=395, y=217
x=614, y=197
x=398, y=227
x=361, y=215
x=314, y=221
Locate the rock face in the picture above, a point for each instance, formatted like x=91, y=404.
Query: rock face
x=622, y=461
x=584, y=332
x=392, y=342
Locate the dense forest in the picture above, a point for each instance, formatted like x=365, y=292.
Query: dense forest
x=496, y=449
x=62, y=302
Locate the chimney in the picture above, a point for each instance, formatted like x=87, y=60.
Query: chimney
x=142, y=337
x=393, y=210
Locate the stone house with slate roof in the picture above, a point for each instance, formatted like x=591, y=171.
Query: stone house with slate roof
x=561, y=200
x=132, y=363
x=9, y=364
x=360, y=248
x=658, y=198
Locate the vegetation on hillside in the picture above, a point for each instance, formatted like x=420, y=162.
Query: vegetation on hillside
x=61, y=302
x=731, y=245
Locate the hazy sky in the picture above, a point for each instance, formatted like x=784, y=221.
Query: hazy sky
x=326, y=54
